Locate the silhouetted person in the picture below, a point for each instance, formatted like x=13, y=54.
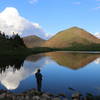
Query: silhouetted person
x=38, y=76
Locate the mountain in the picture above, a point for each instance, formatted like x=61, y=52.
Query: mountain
x=33, y=41
x=70, y=36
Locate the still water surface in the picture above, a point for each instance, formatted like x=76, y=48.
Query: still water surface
x=60, y=70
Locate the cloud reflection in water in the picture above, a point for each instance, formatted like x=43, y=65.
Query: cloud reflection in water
x=11, y=79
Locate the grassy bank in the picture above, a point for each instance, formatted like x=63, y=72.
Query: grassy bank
x=27, y=51
x=81, y=47
x=74, y=47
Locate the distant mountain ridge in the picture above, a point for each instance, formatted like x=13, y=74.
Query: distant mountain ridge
x=63, y=39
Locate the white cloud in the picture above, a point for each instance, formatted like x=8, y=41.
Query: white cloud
x=97, y=34
x=48, y=36
x=96, y=8
x=32, y=1
x=97, y=61
x=11, y=21
x=77, y=3
x=97, y=0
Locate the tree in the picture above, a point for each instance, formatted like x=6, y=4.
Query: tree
x=18, y=41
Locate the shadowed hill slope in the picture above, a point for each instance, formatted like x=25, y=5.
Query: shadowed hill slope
x=33, y=41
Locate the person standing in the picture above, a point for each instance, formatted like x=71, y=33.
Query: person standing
x=39, y=76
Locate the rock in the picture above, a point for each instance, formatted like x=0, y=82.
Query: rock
x=17, y=97
x=9, y=95
x=13, y=97
x=3, y=95
x=36, y=98
x=22, y=98
x=27, y=97
x=56, y=99
x=44, y=99
x=37, y=93
x=76, y=96
x=44, y=95
x=51, y=95
x=65, y=99
x=62, y=95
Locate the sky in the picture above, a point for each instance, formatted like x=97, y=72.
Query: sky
x=45, y=18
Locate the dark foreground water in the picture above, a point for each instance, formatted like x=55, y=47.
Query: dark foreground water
x=62, y=72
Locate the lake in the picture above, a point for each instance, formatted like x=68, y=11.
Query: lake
x=63, y=72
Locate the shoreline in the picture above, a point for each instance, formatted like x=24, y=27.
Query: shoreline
x=84, y=52
x=34, y=94
x=28, y=51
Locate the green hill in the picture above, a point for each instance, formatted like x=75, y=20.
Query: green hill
x=71, y=36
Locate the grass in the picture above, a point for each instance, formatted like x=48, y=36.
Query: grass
x=81, y=47
x=74, y=47
x=26, y=51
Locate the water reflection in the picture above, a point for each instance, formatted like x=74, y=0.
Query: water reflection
x=12, y=75
x=15, y=69
x=73, y=60
x=12, y=61
x=9, y=67
x=97, y=61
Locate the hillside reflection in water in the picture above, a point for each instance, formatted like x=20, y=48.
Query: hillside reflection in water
x=60, y=70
